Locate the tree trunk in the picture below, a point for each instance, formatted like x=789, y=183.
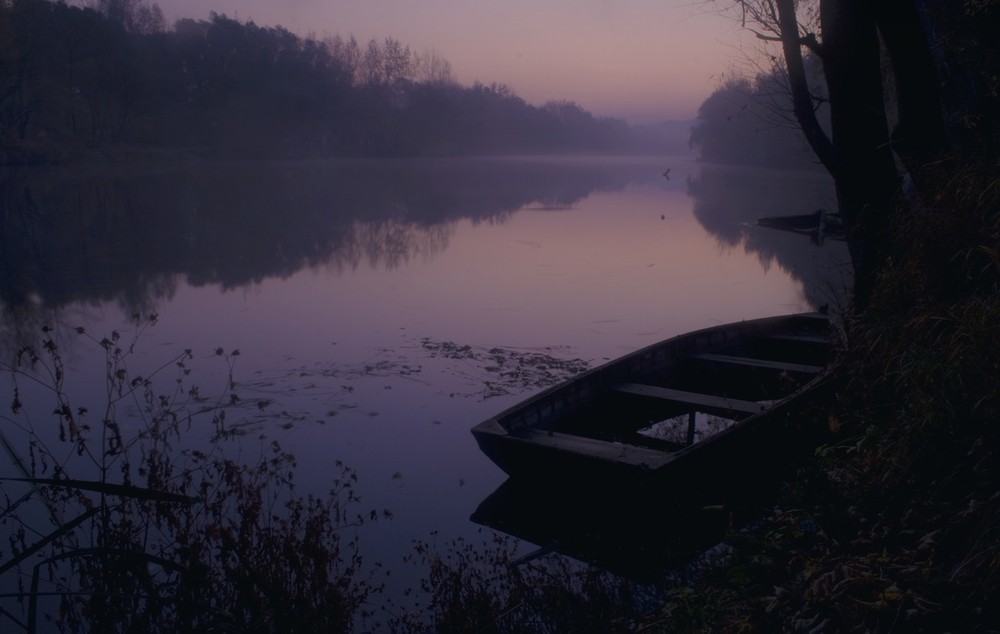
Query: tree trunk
x=864, y=169
x=920, y=136
x=801, y=98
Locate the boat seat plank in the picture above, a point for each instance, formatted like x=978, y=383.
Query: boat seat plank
x=800, y=338
x=691, y=398
x=592, y=447
x=760, y=363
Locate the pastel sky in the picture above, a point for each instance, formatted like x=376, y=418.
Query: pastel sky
x=643, y=60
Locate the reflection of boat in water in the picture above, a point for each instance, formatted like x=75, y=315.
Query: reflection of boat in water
x=626, y=534
x=818, y=225
x=676, y=411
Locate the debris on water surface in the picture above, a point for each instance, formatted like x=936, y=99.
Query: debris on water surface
x=502, y=371
x=456, y=370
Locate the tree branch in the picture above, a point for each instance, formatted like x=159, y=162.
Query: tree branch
x=810, y=42
x=804, y=112
x=765, y=37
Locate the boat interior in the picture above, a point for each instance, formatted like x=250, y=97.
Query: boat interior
x=693, y=396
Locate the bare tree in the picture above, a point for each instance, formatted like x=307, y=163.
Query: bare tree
x=858, y=152
x=431, y=68
x=371, y=64
x=134, y=16
x=347, y=53
x=397, y=62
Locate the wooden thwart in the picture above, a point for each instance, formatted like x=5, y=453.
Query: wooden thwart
x=691, y=398
x=602, y=449
x=801, y=338
x=761, y=363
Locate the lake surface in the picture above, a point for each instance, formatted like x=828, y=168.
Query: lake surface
x=377, y=304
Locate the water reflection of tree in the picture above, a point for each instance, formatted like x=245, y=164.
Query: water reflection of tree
x=728, y=200
x=129, y=235
x=390, y=243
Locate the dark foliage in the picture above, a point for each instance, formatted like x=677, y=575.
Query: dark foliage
x=485, y=587
x=73, y=79
x=132, y=519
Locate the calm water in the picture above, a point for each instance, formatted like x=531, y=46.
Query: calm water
x=372, y=302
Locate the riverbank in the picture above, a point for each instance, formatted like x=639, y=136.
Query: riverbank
x=893, y=526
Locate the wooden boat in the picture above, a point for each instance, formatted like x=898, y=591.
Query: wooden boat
x=688, y=407
x=819, y=225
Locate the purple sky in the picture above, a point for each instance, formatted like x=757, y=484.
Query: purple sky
x=643, y=60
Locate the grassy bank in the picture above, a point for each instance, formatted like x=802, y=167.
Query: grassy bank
x=894, y=525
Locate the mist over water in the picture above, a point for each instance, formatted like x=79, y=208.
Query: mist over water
x=375, y=304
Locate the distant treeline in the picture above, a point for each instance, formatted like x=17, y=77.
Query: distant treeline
x=110, y=74
x=751, y=122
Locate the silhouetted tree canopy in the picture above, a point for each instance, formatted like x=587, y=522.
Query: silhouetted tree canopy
x=111, y=73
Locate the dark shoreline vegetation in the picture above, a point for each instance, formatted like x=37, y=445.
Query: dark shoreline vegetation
x=893, y=524
x=116, y=84
x=139, y=530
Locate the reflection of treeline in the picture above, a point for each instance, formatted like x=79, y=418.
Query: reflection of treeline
x=127, y=236
x=71, y=77
x=729, y=200
x=751, y=122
